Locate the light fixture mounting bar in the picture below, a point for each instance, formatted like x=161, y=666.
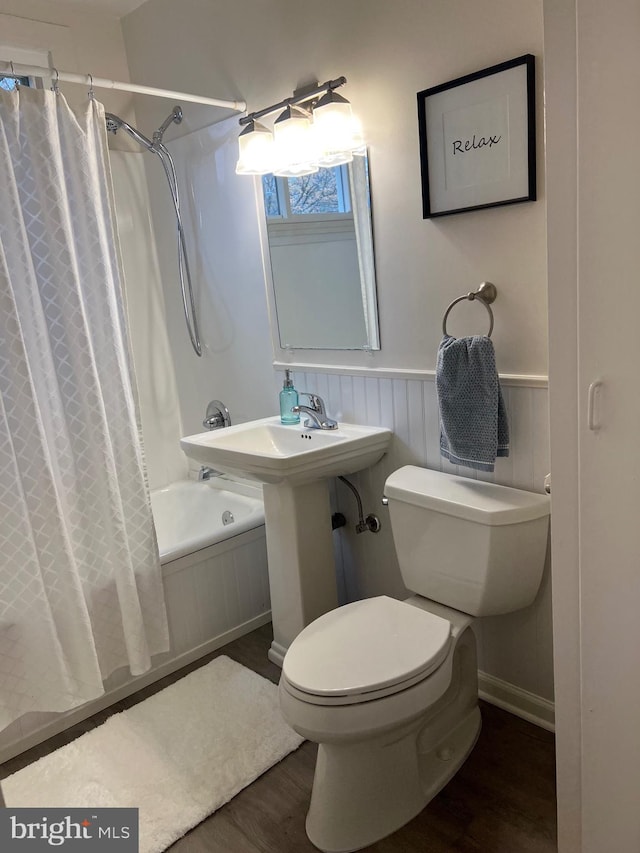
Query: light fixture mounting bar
x=296, y=99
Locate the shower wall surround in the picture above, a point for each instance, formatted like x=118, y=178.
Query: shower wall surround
x=155, y=374
x=222, y=236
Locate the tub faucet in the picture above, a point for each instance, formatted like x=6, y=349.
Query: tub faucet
x=318, y=418
x=206, y=473
x=217, y=416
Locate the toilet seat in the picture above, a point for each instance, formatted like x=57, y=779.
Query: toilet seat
x=365, y=650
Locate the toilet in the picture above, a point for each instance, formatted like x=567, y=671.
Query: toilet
x=388, y=689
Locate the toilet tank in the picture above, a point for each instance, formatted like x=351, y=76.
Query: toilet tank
x=474, y=546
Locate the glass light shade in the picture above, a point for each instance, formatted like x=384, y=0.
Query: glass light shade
x=359, y=146
x=337, y=158
x=255, y=144
x=333, y=126
x=295, y=148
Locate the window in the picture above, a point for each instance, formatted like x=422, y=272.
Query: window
x=10, y=83
x=40, y=58
x=324, y=194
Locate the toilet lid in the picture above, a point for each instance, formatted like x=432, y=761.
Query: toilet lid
x=366, y=646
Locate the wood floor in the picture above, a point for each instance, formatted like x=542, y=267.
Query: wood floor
x=501, y=801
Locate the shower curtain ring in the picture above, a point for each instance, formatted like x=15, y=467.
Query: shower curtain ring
x=15, y=77
x=54, y=82
x=91, y=93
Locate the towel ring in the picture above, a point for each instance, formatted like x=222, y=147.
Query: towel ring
x=486, y=293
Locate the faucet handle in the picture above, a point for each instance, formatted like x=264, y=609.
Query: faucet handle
x=217, y=416
x=317, y=403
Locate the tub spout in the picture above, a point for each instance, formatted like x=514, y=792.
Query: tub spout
x=206, y=473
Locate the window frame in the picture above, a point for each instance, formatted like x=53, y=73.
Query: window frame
x=18, y=81
x=283, y=196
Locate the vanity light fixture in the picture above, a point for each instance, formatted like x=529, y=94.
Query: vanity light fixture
x=316, y=129
x=295, y=151
x=256, y=150
x=333, y=125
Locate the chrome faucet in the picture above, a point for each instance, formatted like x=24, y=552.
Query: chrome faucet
x=318, y=418
x=206, y=473
x=217, y=416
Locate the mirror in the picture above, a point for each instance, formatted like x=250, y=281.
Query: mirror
x=320, y=239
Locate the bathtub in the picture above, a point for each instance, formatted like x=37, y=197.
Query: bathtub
x=213, y=551
x=192, y=515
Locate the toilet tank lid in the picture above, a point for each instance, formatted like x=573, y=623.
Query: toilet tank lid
x=463, y=497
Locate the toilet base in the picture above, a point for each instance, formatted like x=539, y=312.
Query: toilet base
x=365, y=790
x=391, y=788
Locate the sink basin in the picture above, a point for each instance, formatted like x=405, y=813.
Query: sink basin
x=271, y=452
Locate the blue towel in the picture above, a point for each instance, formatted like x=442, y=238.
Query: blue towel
x=473, y=420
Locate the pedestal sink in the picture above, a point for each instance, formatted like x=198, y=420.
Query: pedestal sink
x=294, y=464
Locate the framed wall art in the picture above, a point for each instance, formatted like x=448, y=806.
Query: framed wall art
x=478, y=139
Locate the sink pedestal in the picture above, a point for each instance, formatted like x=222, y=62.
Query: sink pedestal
x=294, y=463
x=302, y=577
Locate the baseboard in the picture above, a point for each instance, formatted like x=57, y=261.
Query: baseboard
x=67, y=719
x=517, y=701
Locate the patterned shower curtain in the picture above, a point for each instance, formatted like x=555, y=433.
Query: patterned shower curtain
x=80, y=581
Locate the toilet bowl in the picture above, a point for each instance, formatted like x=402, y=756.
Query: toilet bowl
x=388, y=688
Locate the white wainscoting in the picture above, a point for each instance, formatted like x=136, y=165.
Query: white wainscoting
x=213, y=591
x=516, y=649
x=410, y=408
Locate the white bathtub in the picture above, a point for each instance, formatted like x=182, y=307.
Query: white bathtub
x=215, y=577
x=190, y=516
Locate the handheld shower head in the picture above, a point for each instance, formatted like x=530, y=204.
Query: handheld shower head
x=114, y=123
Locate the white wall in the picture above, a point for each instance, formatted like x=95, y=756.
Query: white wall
x=562, y=193
x=388, y=52
x=80, y=39
x=224, y=253
x=594, y=256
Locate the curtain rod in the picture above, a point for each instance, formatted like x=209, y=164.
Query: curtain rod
x=17, y=69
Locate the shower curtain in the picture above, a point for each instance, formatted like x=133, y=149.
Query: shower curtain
x=80, y=581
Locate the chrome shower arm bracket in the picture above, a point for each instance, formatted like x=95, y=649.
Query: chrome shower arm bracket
x=174, y=118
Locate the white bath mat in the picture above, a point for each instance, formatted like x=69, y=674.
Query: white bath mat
x=177, y=756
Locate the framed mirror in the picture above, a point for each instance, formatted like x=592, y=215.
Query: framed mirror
x=320, y=242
